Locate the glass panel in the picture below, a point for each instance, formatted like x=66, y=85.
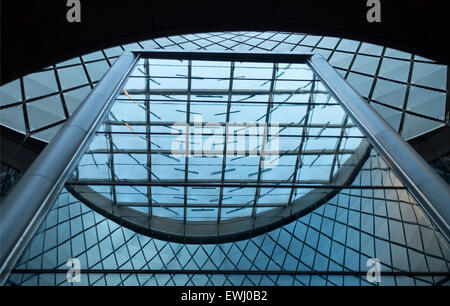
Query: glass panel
x=365, y=64
x=10, y=93
x=427, y=102
x=395, y=69
x=72, y=76
x=40, y=84
x=41, y=115
x=430, y=75
x=389, y=93
x=131, y=164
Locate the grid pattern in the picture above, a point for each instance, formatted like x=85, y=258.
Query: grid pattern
x=358, y=223
x=137, y=159
x=353, y=226
x=408, y=90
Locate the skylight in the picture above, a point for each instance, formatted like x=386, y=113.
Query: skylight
x=215, y=150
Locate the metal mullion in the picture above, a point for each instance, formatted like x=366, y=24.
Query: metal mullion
x=246, y=152
x=322, y=215
x=47, y=127
x=149, y=143
x=240, y=42
x=226, y=185
x=219, y=92
x=405, y=101
x=224, y=157
x=447, y=99
x=169, y=205
x=427, y=187
x=387, y=218
x=282, y=41
x=333, y=50
x=394, y=80
x=388, y=223
x=317, y=43
x=106, y=58
x=193, y=42
x=24, y=107
x=298, y=43
x=376, y=76
x=88, y=77
x=355, y=54
x=63, y=155
x=167, y=123
x=275, y=241
x=217, y=78
x=172, y=41
x=200, y=183
x=208, y=102
x=73, y=65
x=109, y=237
x=261, y=160
x=302, y=142
x=130, y=261
x=44, y=96
x=398, y=109
x=230, y=272
x=188, y=120
x=63, y=100
x=337, y=148
x=111, y=164
x=175, y=255
x=216, y=134
x=219, y=42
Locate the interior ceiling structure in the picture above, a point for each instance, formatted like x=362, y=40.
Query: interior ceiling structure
x=36, y=34
x=209, y=151
x=408, y=90
x=377, y=217
x=374, y=217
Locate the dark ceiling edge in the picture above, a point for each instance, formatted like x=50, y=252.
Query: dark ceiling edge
x=123, y=40
x=432, y=145
x=36, y=34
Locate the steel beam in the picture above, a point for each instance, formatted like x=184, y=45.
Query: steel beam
x=29, y=201
x=427, y=187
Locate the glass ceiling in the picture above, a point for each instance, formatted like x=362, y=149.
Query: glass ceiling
x=409, y=91
x=259, y=136
x=131, y=168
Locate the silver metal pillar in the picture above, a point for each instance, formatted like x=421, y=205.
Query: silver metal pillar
x=28, y=203
x=428, y=188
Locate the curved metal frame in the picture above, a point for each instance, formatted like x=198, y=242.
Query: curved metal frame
x=29, y=201
x=234, y=229
x=428, y=188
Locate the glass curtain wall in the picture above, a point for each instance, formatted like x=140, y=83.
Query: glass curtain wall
x=137, y=164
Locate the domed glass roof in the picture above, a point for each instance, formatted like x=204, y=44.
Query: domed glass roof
x=207, y=151
x=371, y=215
x=408, y=90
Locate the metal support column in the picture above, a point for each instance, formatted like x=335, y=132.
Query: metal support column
x=29, y=201
x=427, y=187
